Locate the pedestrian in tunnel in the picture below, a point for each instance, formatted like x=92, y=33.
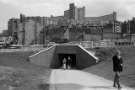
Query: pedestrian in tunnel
x=64, y=63
x=69, y=63
x=117, y=68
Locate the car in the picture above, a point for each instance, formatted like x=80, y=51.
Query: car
x=51, y=44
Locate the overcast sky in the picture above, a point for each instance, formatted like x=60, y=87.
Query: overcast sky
x=12, y=8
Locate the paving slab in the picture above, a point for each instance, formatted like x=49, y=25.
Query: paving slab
x=79, y=80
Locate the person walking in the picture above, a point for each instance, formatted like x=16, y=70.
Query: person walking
x=69, y=62
x=117, y=68
x=64, y=63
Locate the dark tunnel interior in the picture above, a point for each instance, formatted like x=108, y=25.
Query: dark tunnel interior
x=70, y=59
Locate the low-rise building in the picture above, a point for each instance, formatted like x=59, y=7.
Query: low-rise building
x=34, y=30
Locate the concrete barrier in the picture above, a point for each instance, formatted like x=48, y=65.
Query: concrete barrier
x=53, y=56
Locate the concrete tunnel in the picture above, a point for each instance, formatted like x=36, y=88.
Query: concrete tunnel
x=53, y=56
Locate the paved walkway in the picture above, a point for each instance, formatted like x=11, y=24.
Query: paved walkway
x=20, y=50
x=79, y=80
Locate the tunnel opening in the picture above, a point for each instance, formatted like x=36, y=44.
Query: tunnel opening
x=53, y=57
x=70, y=60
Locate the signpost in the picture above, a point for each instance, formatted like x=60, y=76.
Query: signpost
x=117, y=28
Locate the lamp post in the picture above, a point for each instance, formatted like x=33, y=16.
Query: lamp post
x=23, y=40
x=129, y=31
x=43, y=33
x=102, y=32
x=35, y=32
x=22, y=20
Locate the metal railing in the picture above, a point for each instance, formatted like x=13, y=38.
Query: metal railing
x=106, y=43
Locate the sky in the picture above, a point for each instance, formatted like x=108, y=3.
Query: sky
x=13, y=8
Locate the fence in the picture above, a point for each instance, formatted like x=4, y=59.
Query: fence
x=85, y=44
x=106, y=43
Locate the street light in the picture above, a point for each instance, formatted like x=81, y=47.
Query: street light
x=102, y=32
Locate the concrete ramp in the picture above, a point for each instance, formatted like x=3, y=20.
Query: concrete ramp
x=53, y=56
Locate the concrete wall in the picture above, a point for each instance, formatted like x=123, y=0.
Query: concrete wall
x=59, y=50
x=84, y=59
x=81, y=13
x=29, y=32
x=91, y=37
x=50, y=58
x=13, y=25
x=20, y=33
x=43, y=58
x=39, y=28
x=111, y=36
x=67, y=14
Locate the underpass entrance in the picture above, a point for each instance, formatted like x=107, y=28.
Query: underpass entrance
x=53, y=57
x=68, y=59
